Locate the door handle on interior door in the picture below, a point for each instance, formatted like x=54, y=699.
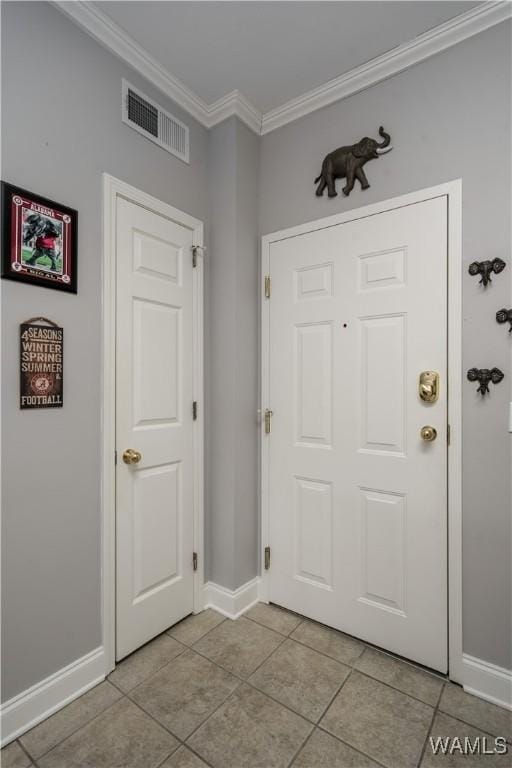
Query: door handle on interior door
x=429, y=386
x=428, y=433
x=131, y=456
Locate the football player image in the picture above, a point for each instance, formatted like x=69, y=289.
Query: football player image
x=46, y=234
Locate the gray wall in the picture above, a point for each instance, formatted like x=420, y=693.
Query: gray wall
x=231, y=467
x=61, y=110
x=57, y=140
x=220, y=344
x=449, y=118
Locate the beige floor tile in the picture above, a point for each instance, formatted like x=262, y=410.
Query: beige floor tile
x=382, y=712
x=184, y=758
x=273, y=617
x=380, y=722
x=406, y=677
x=146, y=661
x=341, y=647
x=121, y=737
x=250, y=731
x=444, y=727
x=12, y=756
x=57, y=727
x=185, y=692
x=239, y=646
x=324, y=751
x=477, y=712
x=300, y=678
x=192, y=628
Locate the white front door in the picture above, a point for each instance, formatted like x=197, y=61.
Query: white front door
x=154, y=394
x=357, y=498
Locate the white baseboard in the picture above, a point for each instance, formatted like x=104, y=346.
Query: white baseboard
x=487, y=681
x=231, y=603
x=27, y=709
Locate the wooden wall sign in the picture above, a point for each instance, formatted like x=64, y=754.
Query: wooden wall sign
x=41, y=363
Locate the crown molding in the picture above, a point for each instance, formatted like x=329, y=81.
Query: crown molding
x=109, y=34
x=235, y=103
x=390, y=63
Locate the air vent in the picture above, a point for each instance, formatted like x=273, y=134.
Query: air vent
x=153, y=122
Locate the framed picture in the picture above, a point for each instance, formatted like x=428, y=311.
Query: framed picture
x=39, y=240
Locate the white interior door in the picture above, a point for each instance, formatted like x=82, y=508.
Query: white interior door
x=357, y=499
x=154, y=393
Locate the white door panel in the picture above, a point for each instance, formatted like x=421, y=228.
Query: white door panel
x=357, y=499
x=154, y=382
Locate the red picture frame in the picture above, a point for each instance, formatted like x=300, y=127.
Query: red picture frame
x=39, y=240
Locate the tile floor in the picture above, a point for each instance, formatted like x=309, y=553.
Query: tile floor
x=269, y=690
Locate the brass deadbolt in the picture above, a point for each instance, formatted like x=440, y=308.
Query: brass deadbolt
x=429, y=386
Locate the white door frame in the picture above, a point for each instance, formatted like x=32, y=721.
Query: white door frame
x=453, y=191
x=112, y=189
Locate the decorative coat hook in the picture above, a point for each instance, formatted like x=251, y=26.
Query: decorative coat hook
x=504, y=316
x=347, y=162
x=486, y=268
x=484, y=376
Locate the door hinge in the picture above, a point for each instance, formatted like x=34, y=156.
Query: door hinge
x=194, y=560
x=449, y=435
x=268, y=421
x=195, y=249
x=267, y=286
x=115, y=457
x=267, y=558
x=194, y=410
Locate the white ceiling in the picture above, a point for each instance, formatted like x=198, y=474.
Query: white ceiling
x=271, y=52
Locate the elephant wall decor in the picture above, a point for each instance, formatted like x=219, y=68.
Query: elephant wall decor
x=504, y=316
x=347, y=162
x=484, y=376
x=486, y=269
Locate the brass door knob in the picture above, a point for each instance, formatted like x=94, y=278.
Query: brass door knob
x=428, y=433
x=131, y=456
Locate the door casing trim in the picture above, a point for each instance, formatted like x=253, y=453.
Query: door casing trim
x=452, y=190
x=112, y=189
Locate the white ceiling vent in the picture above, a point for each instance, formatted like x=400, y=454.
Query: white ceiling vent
x=153, y=122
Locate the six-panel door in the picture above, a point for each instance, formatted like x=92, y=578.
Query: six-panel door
x=357, y=499
x=154, y=371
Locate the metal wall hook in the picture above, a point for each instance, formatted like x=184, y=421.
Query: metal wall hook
x=486, y=268
x=504, y=316
x=484, y=376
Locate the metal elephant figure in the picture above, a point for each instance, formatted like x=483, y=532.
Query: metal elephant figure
x=347, y=162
